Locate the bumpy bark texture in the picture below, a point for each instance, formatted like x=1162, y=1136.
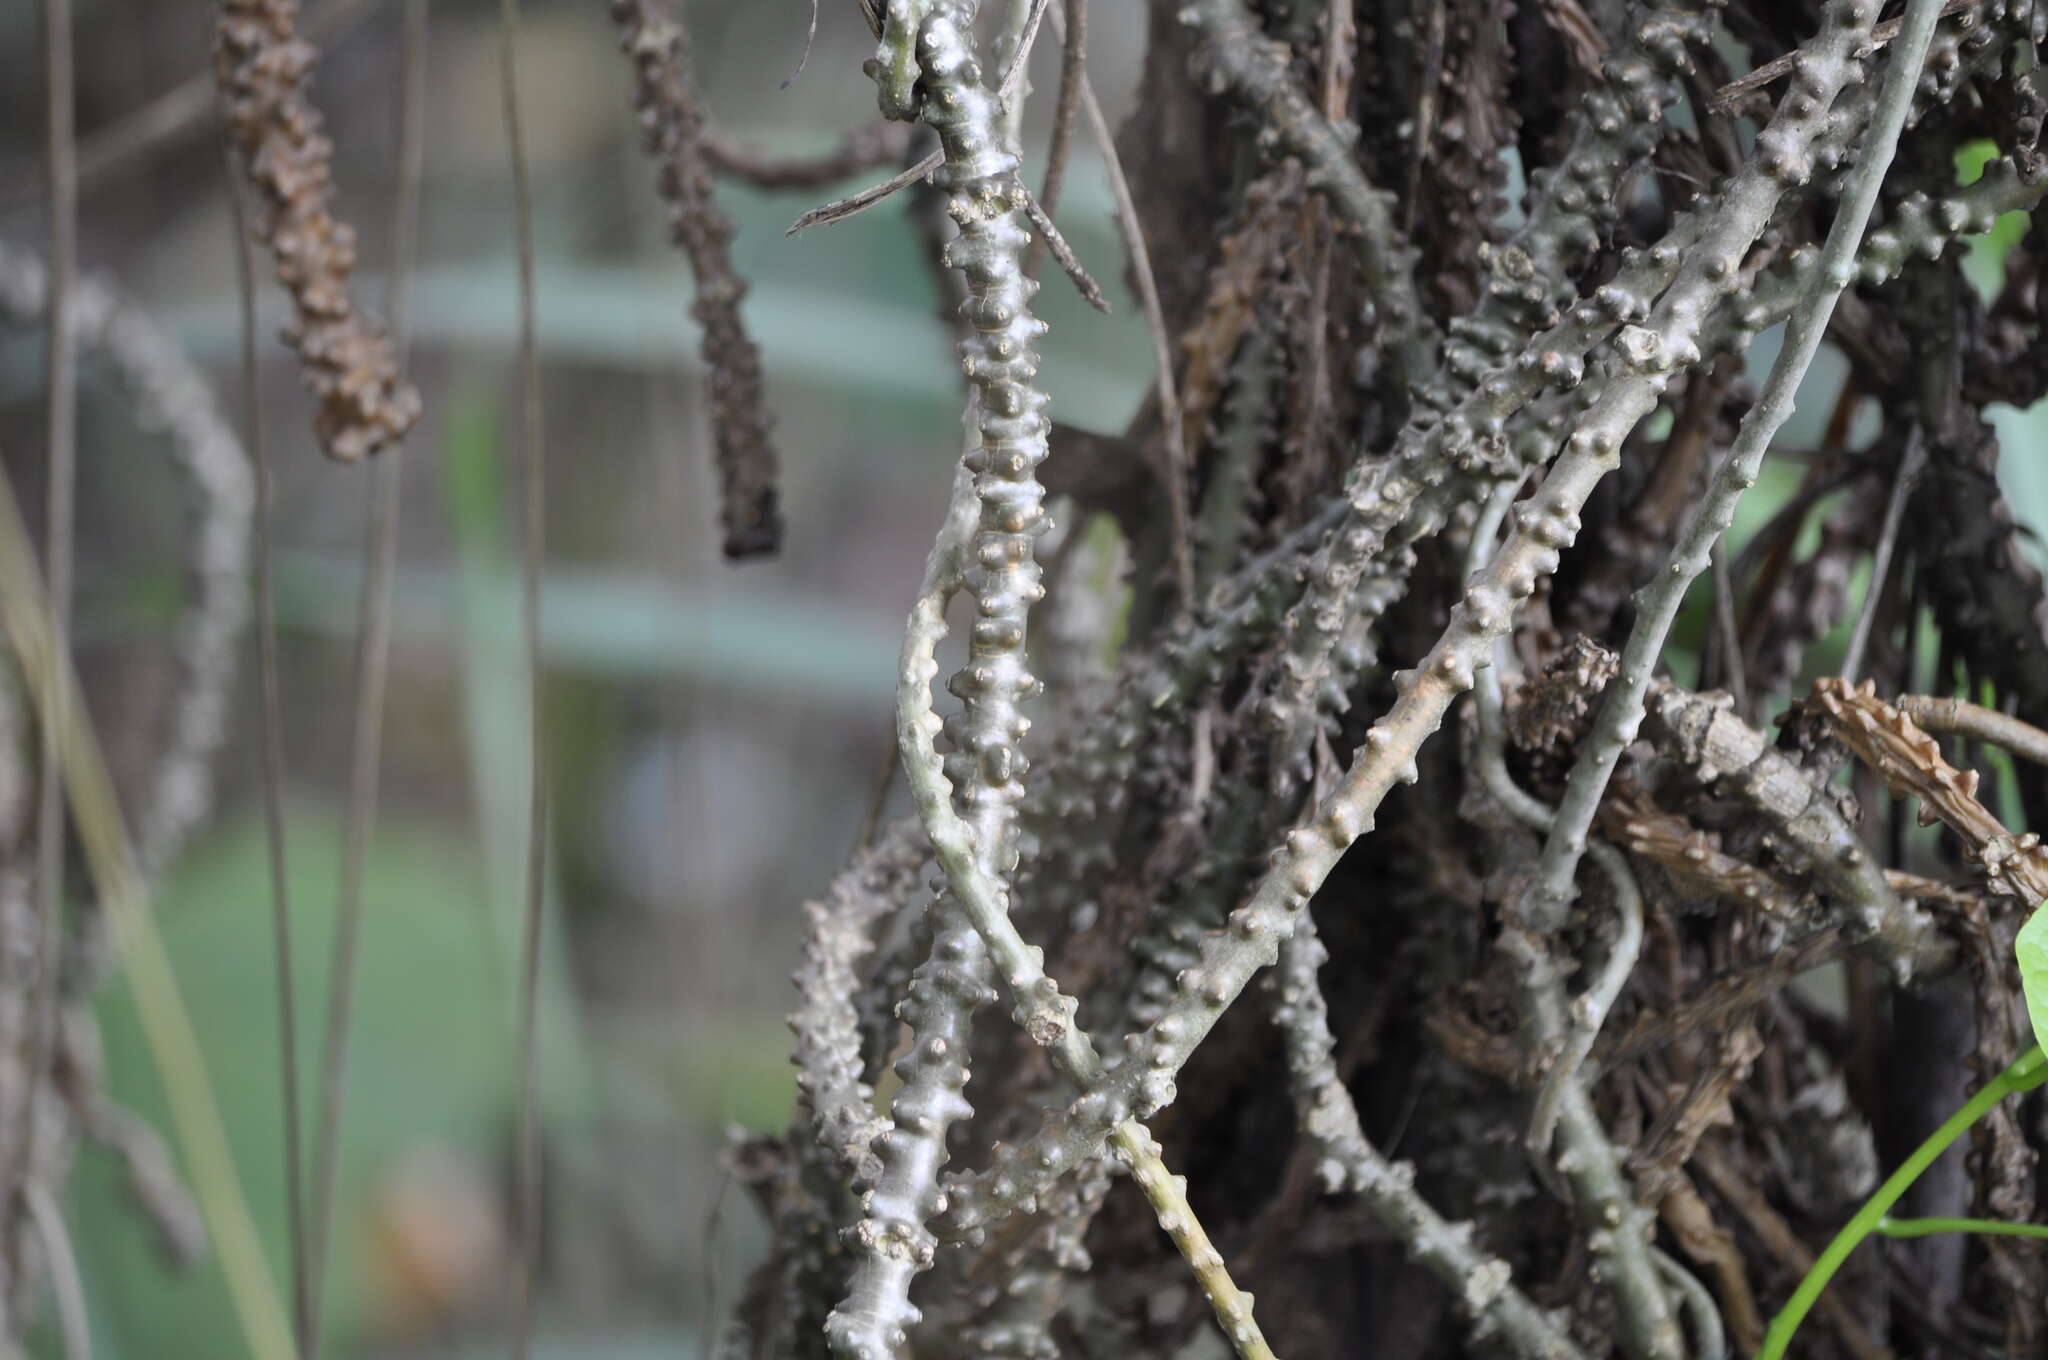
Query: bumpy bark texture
x=263, y=68
x=1371, y=345
x=673, y=125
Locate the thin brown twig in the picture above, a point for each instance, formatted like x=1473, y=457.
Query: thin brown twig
x=840, y=209
x=864, y=148
x=1069, y=262
x=1726, y=98
x=1174, y=453
x=1020, y=56
x=533, y=499
x=672, y=126
x=263, y=68
x=1073, y=66
x=878, y=798
x=1911, y=462
x=270, y=744
x=372, y=669
x=1961, y=718
x=1734, y=672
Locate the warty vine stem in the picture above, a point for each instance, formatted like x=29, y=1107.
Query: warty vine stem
x=1657, y=604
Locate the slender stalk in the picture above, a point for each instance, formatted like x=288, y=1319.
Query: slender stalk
x=1173, y=456
x=532, y=551
x=1910, y=464
x=270, y=730
x=2029, y=1070
x=1984, y=1227
x=73, y=1324
x=1542, y=907
x=372, y=669
x=61, y=406
x=1073, y=32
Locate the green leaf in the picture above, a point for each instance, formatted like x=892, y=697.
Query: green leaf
x=2033, y=951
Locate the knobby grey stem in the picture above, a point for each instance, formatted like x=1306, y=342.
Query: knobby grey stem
x=838, y=929
x=1546, y=523
x=985, y=547
x=1039, y=1006
x=1482, y=1282
x=1236, y=56
x=1657, y=605
x=1618, y=1229
x=983, y=775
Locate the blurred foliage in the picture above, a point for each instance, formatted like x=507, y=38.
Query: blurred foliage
x=432, y=1072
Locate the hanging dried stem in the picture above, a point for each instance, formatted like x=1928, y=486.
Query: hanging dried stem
x=672, y=126
x=262, y=67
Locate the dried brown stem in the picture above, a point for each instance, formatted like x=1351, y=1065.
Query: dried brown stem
x=865, y=148
x=1911, y=765
x=1073, y=70
x=672, y=125
x=262, y=67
